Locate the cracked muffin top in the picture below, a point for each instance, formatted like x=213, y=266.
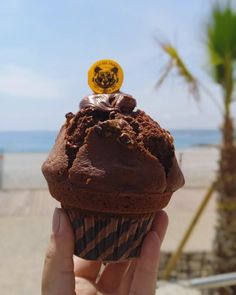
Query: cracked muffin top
x=132, y=128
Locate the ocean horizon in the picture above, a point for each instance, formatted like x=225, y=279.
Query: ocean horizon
x=42, y=141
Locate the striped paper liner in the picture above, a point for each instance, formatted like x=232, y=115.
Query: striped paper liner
x=108, y=238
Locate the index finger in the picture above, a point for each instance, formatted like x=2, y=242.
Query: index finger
x=145, y=275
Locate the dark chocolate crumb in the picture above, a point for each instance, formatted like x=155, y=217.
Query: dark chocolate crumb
x=69, y=116
x=124, y=138
x=112, y=115
x=98, y=130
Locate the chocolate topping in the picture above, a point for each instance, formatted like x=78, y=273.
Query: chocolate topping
x=121, y=102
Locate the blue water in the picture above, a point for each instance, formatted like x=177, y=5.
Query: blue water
x=189, y=138
x=42, y=141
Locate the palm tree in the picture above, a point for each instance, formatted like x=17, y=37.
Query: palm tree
x=221, y=48
x=221, y=35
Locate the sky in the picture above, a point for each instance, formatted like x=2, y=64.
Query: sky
x=47, y=48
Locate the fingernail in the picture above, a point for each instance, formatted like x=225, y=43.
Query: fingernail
x=56, y=221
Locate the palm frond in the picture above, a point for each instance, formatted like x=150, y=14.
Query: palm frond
x=177, y=62
x=164, y=74
x=221, y=41
x=194, y=85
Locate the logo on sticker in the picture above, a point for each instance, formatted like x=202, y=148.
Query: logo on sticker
x=105, y=76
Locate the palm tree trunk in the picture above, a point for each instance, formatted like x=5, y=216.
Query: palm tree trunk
x=225, y=238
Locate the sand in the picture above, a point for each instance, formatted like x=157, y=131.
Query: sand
x=174, y=289
x=26, y=209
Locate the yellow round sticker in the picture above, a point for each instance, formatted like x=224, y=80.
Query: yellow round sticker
x=105, y=76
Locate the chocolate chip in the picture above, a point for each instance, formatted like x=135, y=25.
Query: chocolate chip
x=135, y=126
x=128, y=119
x=68, y=144
x=124, y=138
x=69, y=116
x=112, y=115
x=98, y=130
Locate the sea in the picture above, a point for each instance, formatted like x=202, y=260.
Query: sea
x=42, y=141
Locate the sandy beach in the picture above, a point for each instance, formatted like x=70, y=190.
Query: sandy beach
x=26, y=209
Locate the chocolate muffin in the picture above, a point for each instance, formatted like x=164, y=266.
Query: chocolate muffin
x=112, y=167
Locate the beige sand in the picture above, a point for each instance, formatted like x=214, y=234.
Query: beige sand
x=25, y=218
x=174, y=289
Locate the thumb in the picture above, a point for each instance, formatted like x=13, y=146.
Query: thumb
x=58, y=274
x=145, y=276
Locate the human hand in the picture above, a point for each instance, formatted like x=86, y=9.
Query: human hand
x=65, y=274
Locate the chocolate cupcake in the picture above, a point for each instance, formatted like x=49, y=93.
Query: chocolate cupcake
x=112, y=167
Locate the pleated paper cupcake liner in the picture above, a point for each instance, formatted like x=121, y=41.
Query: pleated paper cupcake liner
x=108, y=238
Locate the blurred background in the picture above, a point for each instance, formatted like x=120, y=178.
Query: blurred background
x=178, y=59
